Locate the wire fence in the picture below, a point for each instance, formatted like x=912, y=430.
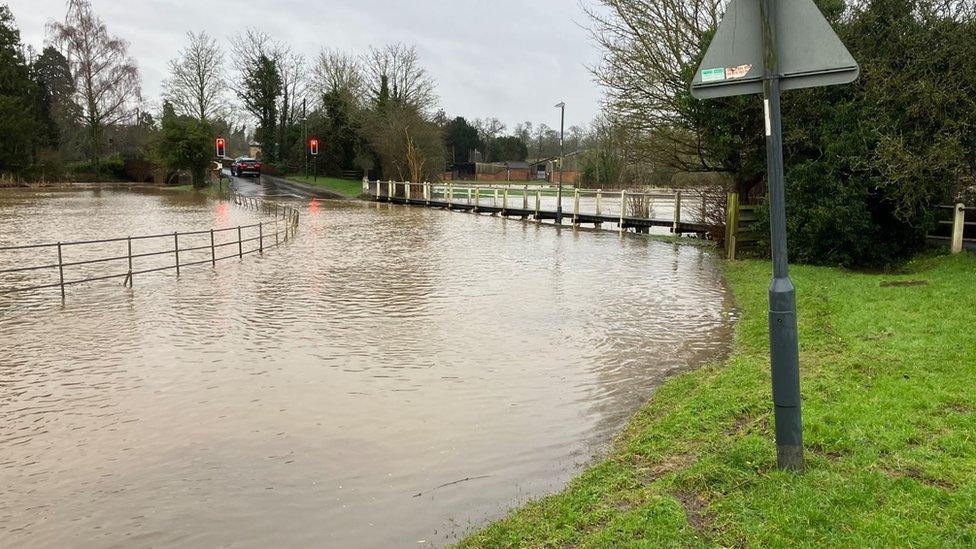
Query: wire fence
x=156, y=253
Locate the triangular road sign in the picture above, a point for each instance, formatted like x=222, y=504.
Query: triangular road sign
x=810, y=52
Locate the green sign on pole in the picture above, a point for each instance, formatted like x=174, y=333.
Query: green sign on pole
x=764, y=46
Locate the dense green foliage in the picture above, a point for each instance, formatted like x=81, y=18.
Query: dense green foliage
x=889, y=417
x=259, y=93
x=866, y=162
x=460, y=139
x=508, y=148
x=25, y=123
x=186, y=143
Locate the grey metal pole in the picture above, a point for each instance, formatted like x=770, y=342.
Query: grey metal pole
x=783, y=339
x=176, y=251
x=559, y=188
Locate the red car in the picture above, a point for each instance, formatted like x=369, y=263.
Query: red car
x=245, y=166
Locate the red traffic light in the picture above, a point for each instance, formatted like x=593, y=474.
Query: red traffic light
x=313, y=147
x=221, y=147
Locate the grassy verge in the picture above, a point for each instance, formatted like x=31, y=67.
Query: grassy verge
x=346, y=187
x=888, y=366
x=206, y=191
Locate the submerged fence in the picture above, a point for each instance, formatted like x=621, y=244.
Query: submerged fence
x=205, y=247
x=639, y=210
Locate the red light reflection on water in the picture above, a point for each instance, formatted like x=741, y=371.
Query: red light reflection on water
x=222, y=211
x=313, y=206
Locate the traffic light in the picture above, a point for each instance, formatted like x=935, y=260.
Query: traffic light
x=221, y=148
x=313, y=147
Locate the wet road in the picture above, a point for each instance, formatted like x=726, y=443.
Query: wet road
x=333, y=391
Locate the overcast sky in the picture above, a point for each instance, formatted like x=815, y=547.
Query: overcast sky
x=513, y=59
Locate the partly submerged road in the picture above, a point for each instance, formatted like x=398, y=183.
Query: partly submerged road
x=268, y=186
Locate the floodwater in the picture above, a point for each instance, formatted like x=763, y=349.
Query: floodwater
x=393, y=377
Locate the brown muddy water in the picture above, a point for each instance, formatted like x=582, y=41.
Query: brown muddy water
x=394, y=377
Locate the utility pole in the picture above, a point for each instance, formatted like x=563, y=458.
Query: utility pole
x=305, y=133
x=559, y=189
x=783, y=340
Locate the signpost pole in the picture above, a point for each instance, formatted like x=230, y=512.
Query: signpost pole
x=783, y=341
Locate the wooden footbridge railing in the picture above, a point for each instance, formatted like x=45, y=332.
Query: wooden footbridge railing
x=186, y=248
x=626, y=209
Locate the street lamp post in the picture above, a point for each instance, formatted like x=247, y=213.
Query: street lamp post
x=559, y=189
x=305, y=131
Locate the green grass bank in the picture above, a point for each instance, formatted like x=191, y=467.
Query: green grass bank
x=351, y=188
x=888, y=371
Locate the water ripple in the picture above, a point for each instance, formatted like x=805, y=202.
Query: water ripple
x=304, y=397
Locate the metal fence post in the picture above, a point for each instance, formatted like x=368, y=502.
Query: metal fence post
x=261, y=238
x=129, y=248
x=240, y=244
x=958, y=228
x=61, y=270
x=677, y=212
x=213, y=252
x=176, y=251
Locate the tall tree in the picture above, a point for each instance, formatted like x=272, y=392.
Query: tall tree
x=409, y=147
x=488, y=130
x=185, y=144
x=397, y=70
x=294, y=84
x=196, y=84
x=260, y=93
x=339, y=73
x=20, y=127
x=251, y=47
x=509, y=148
x=651, y=48
x=460, y=139
x=106, y=78
x=52, y=70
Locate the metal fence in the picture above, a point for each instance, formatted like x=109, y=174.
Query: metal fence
x=250, y=239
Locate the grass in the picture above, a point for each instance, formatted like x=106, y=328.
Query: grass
x=351, y=188
x=888, y=366
x=207, y=191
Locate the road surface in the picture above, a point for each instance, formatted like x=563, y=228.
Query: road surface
x=267, y=186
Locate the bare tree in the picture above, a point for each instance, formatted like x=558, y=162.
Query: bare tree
x=106, y=78
x=408, y=82
x=488, y=130
x=250, y=47
x=338, y=72
x=196, y=84
x=294, y=84
x=650, y=48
